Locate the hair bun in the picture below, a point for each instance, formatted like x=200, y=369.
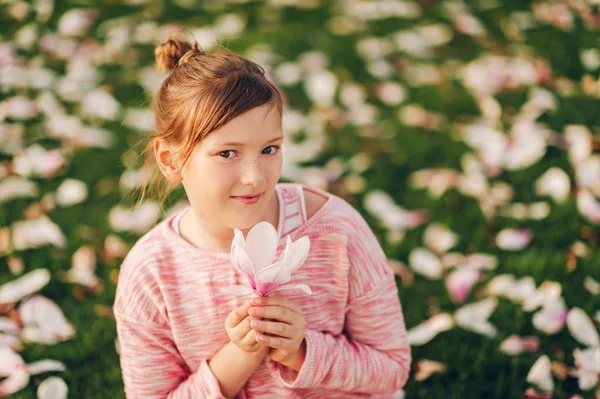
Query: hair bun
x=173, y=52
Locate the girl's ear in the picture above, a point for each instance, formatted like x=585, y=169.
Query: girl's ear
x=167, y=161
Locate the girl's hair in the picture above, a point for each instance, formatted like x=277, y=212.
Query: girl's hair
x=202, y=93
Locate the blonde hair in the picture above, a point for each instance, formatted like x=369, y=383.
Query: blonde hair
x=202, y=93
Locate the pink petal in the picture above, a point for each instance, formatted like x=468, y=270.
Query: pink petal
x=27, y=284
x=10, y=341
x=513, y=240
x=540, y=374
x=261, y=245
x=460, y=282
x=289, y=252
x=302, y=287
x=44, y=366
x=582, y=328
x=425, y=368
x=52, y=388
x=10, y=361
x=41, y=313
x=588, y=206
x=238, y=290
x=551, y=318
x=15, y=382
x=272, y=277
x=241, y=261
x=301, y=248
x=429, y=329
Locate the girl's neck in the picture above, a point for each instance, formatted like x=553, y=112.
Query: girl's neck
x=216, y=239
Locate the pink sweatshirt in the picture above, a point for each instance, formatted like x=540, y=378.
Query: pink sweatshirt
x=170, y=312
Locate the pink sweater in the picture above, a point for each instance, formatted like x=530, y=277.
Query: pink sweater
x=170, y=313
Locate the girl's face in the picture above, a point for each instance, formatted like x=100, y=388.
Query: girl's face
x=231, y=175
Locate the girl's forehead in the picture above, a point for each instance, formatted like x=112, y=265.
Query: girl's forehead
x=247, y=129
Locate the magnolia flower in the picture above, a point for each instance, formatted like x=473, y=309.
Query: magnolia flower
x=52, y=388
x=43, y=321
x=540, y=374
x=460, y=282
x=426, y=263
x=71, y=192
x=18, y=373
x=439, y=238
x=15, y=290
x=138, y=220
x=320, y=86
x=426, y=331
x=474, y=316
x=582, y=328
x=515, y=345
x=12, y=187
x=588, y=367
x=555, y=183
x=512, y=239
x=552, y=317
x=253, y=258
x=425, y=368
x=37, y=233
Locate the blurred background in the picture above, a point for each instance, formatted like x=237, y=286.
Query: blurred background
x=466, y=132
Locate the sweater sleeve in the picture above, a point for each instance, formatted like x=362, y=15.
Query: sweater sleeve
x=151, y=364
x=373, y=354
x=153, y=368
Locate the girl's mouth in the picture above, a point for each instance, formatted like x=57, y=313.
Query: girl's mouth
x=249, y=199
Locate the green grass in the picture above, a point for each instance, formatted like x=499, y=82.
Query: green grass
x=476, y=368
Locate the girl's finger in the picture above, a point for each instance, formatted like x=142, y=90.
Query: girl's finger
x=236, y=316
x=274, y=312
x=272, y=327
x=250, y=337
x=277, y=301
x=285, y=344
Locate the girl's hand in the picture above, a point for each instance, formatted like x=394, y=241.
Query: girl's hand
x=240, y=333
x=283, y=329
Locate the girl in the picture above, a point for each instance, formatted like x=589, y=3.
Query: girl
x=219, y=134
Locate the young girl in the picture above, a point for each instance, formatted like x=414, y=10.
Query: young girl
x=219, y=134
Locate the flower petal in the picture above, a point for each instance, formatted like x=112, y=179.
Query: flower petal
x=44, y=366
x=272, y=277
x=426, y=331
x=540, y=374
x=302, y=287
x=52, y=388
x=261, y=245
x=582, y=328
x=15, y=382
x=301, y=247
x=237, y=290
x=241, y=261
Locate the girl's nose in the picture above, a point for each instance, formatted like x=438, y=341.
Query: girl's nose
x=252, y=173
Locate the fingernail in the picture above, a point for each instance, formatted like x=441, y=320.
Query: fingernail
x=257, y=301
x=255, y=324
x=253, y=311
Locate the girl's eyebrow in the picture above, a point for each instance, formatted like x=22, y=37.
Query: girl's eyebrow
x=232, y=144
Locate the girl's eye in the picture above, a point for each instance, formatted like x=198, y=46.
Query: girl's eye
x=273, y=150
x=227, y=154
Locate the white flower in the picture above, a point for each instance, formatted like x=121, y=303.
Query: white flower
x=426, y=263
x=555, y=183
x=52, y=388
x=540, y=374
x=253, y=257
x=513, y=239
x=474, y=316
x=426, y=331
x=582, y=328
x=71, y=192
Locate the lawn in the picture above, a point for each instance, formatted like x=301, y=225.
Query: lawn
x=456, y=128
